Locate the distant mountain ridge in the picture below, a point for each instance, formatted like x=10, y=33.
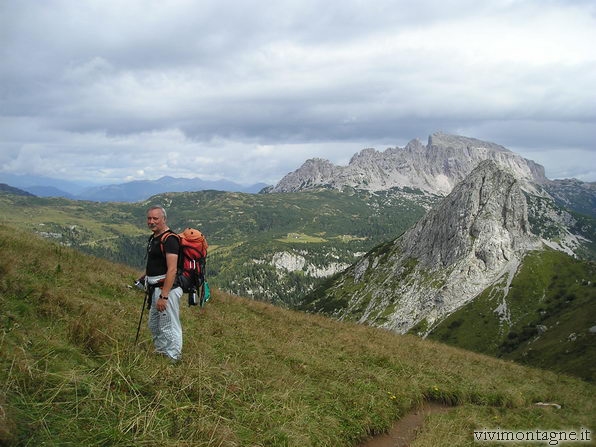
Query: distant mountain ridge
x=12, y=190
x=435, y=168
x=126, y=192
x=574, y=194
x=143, y=189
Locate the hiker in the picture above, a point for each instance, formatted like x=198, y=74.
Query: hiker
x=164, y=294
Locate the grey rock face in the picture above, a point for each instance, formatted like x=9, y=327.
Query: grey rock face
x=486, y=213
x=435, y=168
x=476, y=236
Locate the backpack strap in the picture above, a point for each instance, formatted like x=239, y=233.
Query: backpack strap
x=162, y=240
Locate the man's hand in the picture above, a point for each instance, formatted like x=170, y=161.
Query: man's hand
x=161, y=304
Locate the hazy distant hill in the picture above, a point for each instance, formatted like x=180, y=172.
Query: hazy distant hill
x=143, y=189
x=12, y=190
x=49, y=191
x=574, y=194
x=123, y=192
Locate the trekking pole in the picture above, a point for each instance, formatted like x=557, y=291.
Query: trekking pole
x=141, y=319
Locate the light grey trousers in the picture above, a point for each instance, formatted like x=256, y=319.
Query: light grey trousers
x=165, y=326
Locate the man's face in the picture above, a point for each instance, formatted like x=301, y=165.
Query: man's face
x=155, y=220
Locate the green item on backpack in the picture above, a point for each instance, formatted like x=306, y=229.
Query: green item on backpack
x=206, y=293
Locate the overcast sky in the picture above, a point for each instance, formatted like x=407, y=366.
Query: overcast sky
x=117, y=90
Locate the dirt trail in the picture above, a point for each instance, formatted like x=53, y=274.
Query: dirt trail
x=404, y=431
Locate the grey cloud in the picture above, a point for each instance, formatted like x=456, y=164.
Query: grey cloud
x=535, y=136
x=286, y=74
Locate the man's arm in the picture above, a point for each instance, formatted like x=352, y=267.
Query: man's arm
x=172, y=264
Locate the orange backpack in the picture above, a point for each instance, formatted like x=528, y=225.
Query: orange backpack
x=192, y=258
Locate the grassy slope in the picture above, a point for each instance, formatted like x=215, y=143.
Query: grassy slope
x=252, y=374
x=551, y=306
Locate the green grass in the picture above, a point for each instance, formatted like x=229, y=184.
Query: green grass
x=252, y=374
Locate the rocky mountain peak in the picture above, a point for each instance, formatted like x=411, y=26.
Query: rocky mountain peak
x=314, y=172
x=435, y=168
x=364, y=154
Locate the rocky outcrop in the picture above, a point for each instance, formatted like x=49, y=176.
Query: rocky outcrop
x=475, y=236
x=435, y=168
x=292, y=262
x=314, y=172
x=485, y=215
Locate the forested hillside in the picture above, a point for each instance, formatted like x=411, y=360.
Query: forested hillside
x=273, y=247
